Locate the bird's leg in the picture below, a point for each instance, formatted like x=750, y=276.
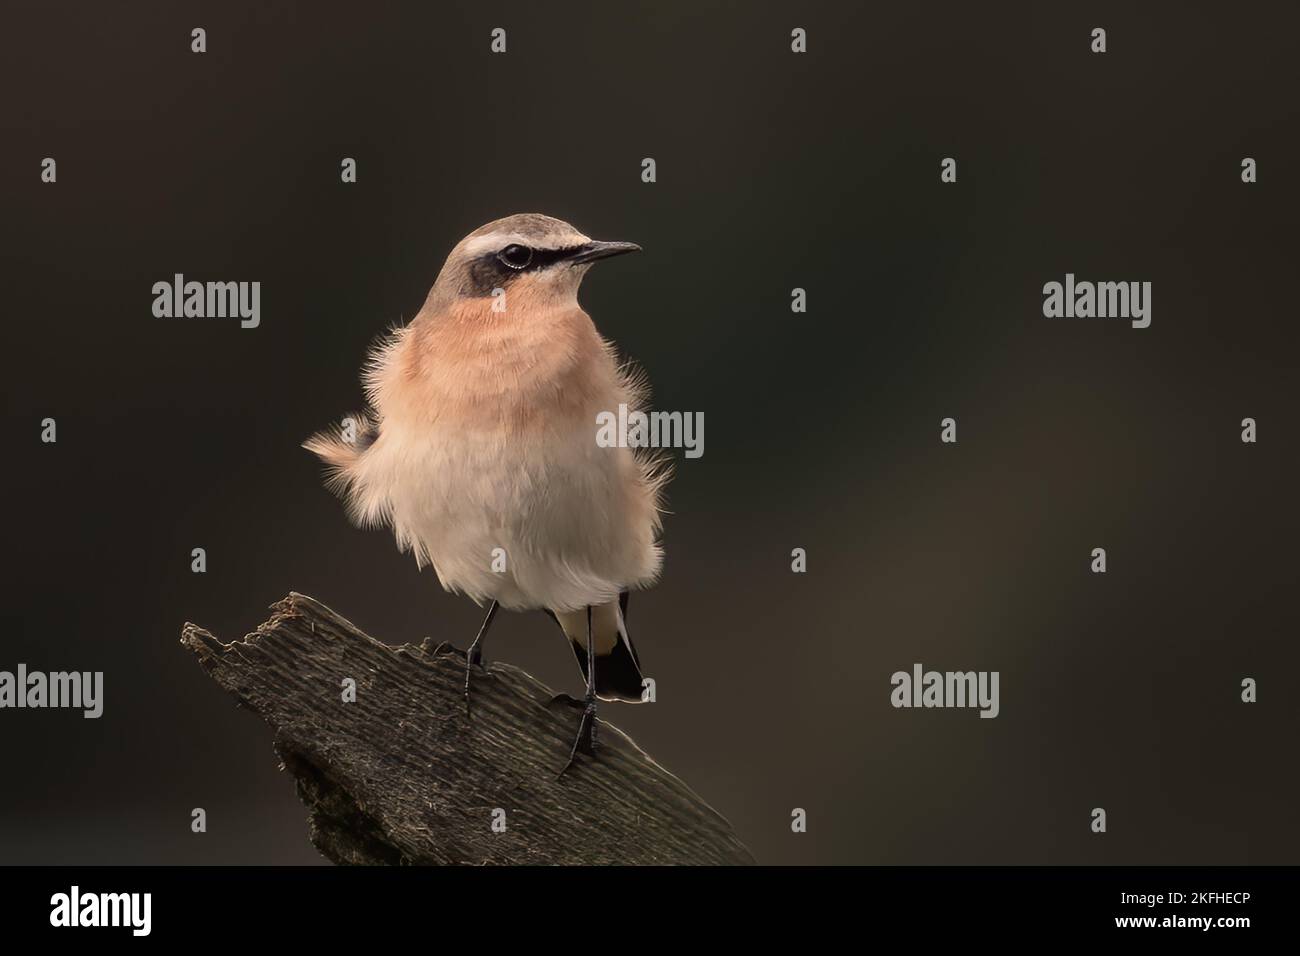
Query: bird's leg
x=474, y=656
x=586, y=740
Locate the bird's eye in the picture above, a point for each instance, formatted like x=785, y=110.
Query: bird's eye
x=515, y=257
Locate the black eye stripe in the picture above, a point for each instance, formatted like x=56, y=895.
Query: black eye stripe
x=541, y=258
x=546, y=257
x=487, y=272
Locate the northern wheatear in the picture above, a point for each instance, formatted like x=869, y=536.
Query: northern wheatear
x=479, y=448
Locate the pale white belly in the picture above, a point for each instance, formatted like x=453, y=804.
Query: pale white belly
x=549, y=521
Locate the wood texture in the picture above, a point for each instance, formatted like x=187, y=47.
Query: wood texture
x=403, y=776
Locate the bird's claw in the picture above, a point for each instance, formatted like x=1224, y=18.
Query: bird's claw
x=586, y=739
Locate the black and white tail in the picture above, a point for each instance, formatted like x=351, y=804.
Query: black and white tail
x=618, y=669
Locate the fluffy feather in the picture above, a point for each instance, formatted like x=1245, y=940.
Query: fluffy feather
x=483, y=430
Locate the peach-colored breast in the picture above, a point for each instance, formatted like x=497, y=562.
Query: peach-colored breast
x=538, y=365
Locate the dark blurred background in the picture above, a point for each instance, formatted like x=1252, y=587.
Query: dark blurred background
x=774, y=171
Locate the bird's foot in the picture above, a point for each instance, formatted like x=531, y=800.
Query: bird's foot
x=586, y=739
x=474, y=656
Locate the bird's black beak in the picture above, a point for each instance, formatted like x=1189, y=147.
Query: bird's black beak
x=591, y=251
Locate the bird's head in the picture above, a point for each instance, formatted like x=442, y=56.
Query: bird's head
x=539, y=256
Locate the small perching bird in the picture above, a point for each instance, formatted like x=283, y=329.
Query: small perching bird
x=480, y=448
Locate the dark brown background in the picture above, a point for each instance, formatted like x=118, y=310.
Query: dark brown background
x=775, y=171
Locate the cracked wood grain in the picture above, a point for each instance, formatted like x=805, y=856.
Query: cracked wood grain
x=403, y=776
